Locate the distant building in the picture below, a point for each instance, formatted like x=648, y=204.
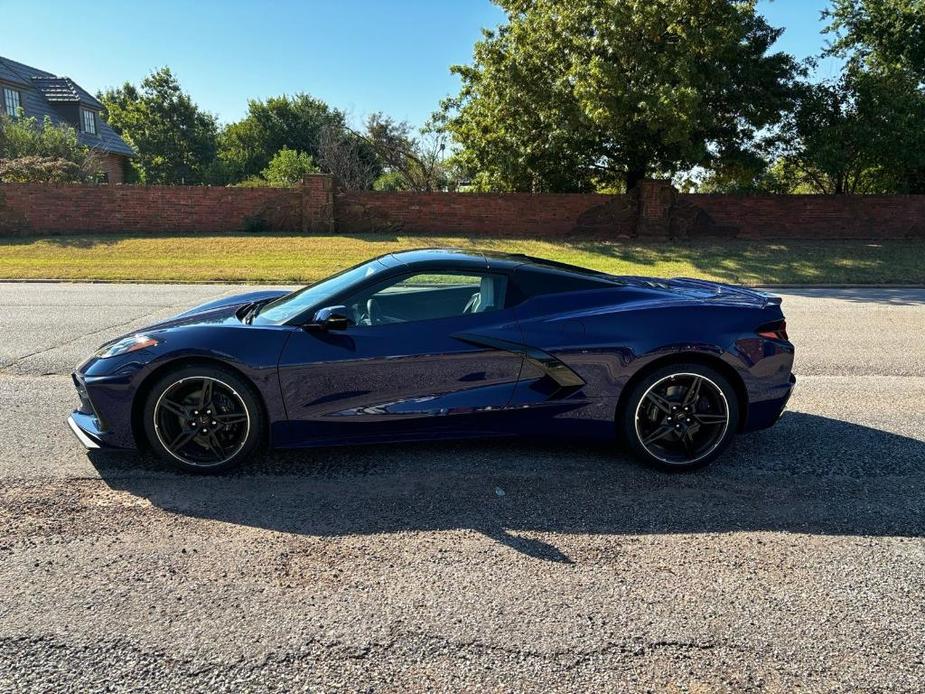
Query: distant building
x=39, y=93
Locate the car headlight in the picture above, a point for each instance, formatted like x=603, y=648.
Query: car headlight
x=127, y=344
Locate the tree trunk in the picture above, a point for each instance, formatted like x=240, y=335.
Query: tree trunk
x=634, y=177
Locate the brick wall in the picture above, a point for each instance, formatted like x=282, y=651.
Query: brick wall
x=114, y=167
x=815, y=216
x=476, y=214
x=58, y=209
x=655, y=211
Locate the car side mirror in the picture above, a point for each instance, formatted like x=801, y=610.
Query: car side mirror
x=330, y=318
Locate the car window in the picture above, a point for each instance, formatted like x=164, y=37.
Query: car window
x=535, y=280
x=316, y=295
x=426, y=296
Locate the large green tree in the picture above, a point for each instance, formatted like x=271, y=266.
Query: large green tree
x=294, y=122
x=600, y=93
x=174, y=139
x=863, y=133
x=886, y=35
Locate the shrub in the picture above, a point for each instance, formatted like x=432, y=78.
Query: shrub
x=288, y=167
x=390, y=181
x=40, y=170
x=37, y=152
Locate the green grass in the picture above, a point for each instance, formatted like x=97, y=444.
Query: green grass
x=291, y=258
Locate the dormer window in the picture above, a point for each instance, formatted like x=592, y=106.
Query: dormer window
x=12, y=102
x=88, y=120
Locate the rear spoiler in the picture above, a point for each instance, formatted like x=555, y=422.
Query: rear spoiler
x=773, y=299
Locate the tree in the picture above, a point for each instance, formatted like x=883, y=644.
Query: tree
x=42, y=152
x=297, y=122
x=174, y=139
x=411, y=162
x=600, y=93
x=287, y=168
x=348, y=157
x=880, y=34
x=861, y=133
x=864, y=133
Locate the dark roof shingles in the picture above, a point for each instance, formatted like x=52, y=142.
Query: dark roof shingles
x=41, y=90
x=64, y=89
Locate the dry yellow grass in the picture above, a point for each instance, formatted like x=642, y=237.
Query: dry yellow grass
x=300, y=258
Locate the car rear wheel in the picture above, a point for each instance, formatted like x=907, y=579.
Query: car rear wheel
x=680, y=417
x=203, y=419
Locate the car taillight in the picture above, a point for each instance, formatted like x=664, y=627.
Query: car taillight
x=774, y=331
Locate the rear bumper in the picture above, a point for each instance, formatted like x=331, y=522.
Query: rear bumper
x=85, y=429
x=765, y=413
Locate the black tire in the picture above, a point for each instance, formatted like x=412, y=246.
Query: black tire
x=203, y=438
x=659, y=431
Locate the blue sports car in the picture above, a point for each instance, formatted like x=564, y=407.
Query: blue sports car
x=433, y=344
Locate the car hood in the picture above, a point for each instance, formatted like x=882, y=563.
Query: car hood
x=216, y=311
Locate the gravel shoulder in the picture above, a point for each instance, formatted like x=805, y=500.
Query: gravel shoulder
x=794, y=562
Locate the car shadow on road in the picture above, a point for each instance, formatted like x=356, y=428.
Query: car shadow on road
x=809, y=474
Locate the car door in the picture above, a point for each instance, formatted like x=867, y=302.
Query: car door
x=407, y=367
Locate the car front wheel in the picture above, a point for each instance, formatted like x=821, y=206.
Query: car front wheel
x=203, y=419
x=680, y=417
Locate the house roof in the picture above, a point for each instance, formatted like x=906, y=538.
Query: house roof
x=63, y=89
x=45, y=94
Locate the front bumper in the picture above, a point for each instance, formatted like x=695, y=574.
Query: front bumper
x=84, y=428
x=102, y=419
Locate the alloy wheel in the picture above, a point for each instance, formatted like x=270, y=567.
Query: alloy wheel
x=682, y=418
x=201, y=421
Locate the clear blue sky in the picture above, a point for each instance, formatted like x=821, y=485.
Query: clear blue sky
x=359, y=55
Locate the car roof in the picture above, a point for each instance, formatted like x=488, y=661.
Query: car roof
x=458, y=259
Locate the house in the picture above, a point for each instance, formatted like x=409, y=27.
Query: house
x=39, y=94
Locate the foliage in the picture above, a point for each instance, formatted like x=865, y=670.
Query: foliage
x=174, y=139
x=863, y=133
x=390, y=181
x=573, y=96
x=39, y=170
x=348, y=157
x=412, y=162
x=880, y=34
x=39, y=152
x=297, y=122
x=287, y=168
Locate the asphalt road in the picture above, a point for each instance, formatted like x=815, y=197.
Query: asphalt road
x=794, y=562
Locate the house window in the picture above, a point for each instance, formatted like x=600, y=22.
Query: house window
x=89, y=121
x=11, y=102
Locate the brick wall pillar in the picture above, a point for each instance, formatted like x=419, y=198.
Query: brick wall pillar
x=114, y=167
x=656, y=200
x=318, y=203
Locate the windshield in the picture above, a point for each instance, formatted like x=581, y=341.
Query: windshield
x=316, y=295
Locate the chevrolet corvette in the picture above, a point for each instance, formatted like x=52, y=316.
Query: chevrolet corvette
x=439, y=343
